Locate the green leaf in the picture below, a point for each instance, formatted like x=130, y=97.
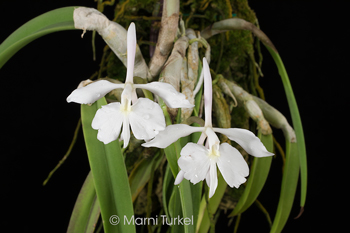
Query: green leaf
x=187, y=204
x=258, y=174
x=172, y=153
x=86, y=209
x=297, y=125
x=288, y=189
x=140, y=175
x=109, y=173
x=52, y=21
x=168, y=186
x=175, y=210
x=196, y=192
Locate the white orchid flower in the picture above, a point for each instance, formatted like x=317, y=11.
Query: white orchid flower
x=198, y=162
x=143, y=115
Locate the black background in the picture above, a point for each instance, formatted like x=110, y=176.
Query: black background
x=37, y=124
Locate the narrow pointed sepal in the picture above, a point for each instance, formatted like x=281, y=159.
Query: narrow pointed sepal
x=92, y=92
x=168, y=93
x=247, y=140
x=171, y=134
x=131, y=51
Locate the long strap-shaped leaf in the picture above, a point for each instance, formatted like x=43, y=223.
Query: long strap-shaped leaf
x=52, y=21
x=175, y=210
x=86, y=210
x=298, y=127
x=172, y=153
x=289, y=186
x=257, y=177
x=109, y=174
x=168, y=186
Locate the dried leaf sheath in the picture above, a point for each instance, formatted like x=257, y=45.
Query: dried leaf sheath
x=166, y=37
x=113, y=34
x=172, y=69
x=189, y=80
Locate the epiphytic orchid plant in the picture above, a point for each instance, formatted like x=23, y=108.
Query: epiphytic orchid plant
x=123, y=176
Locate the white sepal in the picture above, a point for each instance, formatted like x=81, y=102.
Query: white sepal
x=171, y=134
x=92, y=92
x=168, y=93
x=247, y=140
x=208, y=93
x=131, y=51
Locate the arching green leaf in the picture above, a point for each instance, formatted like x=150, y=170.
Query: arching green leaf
x=52, y=21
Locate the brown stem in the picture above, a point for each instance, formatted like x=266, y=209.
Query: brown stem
x=166, y=37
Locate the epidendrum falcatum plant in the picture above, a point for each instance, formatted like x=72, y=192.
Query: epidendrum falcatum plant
x=161, y=141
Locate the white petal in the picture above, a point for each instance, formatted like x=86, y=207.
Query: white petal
x=108, y=121
x=247, y=140
x=168, y=93
x=92, y=92
x=213, y=184
x=171, y=134
x=232, y=165
x=194, y=162
x=179, y=177
x=146, y=119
